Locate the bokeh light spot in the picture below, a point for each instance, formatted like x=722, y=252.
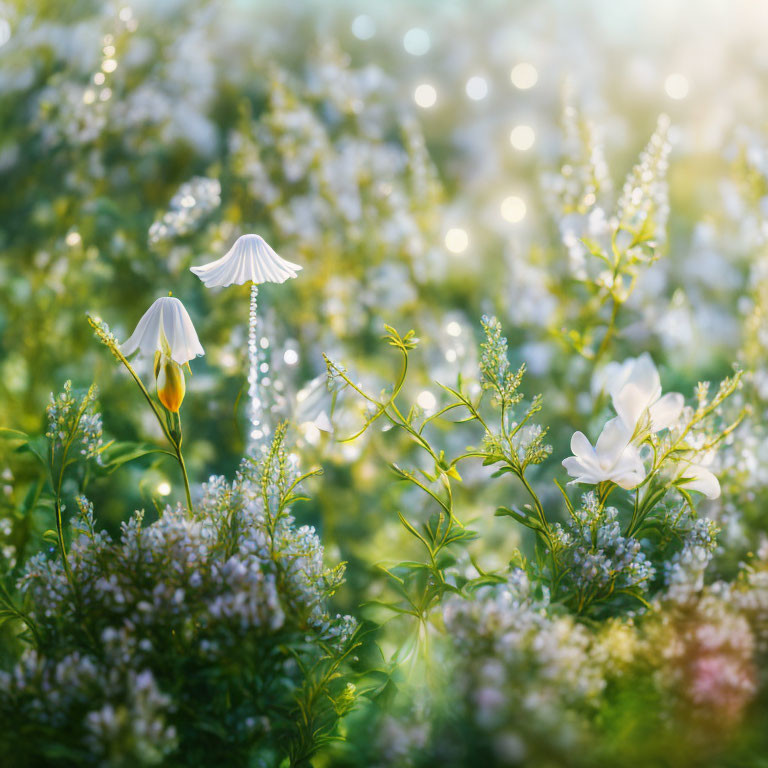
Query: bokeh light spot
x=425, y=95
x=513, y=209
x=477, y=88
x=416, y=41
x=524, y=75
x=522, y=137
x=456, y=240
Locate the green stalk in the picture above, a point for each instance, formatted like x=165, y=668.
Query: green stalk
x=57, y=488
x=174, y=440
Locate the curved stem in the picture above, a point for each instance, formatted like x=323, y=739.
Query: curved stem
x=163, y=424
x=109, y=340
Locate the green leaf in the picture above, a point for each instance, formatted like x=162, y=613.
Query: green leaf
x=408, y=527
x=38, y=447
x=410, y=565
x=13, y=434
x=529, y=522
x=117, y=454
x=460, y=534
x=488, y=579
x=390, y=606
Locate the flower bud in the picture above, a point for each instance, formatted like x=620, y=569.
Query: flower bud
x=171, y=386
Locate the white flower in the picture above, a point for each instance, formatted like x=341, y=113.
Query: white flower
x=696, y=477
x=635, y=388
x=250, y=259
x=613, y=458
x=314, y=404
x=165, y=328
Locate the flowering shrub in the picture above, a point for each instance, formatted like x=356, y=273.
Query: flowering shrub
x=195, y=636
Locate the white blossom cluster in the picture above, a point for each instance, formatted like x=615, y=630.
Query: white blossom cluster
x=636, y=230
x=684, y=571
x=164, y=606
x=74, y=422
x=195, y=199
x=523, y=670
x=750, y=594
x=326, y=165
x=705, y=654
x=598, y=558
x=122, y=713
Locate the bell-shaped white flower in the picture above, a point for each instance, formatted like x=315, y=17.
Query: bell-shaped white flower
x=613, y=458
x=249, y=260
x=635, y=389
x=696, y=477
x=165, y=328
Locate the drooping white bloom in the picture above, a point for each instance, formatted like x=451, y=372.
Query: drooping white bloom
x=166, y=328
x=613, y=458
x=249, y=260
x=635, y=389
x=696, y=477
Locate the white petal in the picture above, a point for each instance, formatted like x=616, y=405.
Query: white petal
x=646, y=378
x=147, y=333
x=184, y=345
x=323, y=423
x=701, y=480
x=612, y=441
x=666, y=411
x=573, y=466
x=580, y=472
x=629, y=404
x=629, y=470
x=617, y=375
x=249, y=260
x=605, y=379
x=165, y=319
x=580, y=445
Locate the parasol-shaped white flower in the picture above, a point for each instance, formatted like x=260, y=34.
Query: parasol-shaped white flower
x=166, y=328
x=613, y=458
x=249, y=260
x=635, y=388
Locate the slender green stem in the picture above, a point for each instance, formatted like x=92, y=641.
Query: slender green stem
x=183, y=466
x=7, y=601
x=609, y=330
x=174, y=440
x=62, y=547
x=58, y=485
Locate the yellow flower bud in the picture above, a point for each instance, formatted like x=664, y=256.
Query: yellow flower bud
x=171, y=386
